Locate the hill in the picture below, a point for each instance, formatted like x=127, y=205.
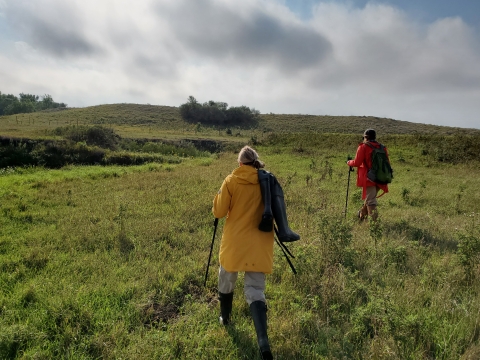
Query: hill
x=151, y=121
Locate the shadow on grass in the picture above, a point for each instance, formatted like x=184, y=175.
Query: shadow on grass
x=247, y=345
x=240, y=338
x=424, y=237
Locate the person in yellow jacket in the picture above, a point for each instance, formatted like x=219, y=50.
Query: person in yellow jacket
x=244, y=248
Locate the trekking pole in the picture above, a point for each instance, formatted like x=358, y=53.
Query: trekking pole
x=215, y=223
x=285, y=251
x=348, y=185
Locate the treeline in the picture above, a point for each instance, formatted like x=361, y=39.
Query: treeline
x=218, y=113
x=26, y=103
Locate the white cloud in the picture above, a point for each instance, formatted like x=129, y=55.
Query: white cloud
x=342, y=61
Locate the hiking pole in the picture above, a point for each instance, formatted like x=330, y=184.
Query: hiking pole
x=215, y=223
x=348, y=185
x=285, y=251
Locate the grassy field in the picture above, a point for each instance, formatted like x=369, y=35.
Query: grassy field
x=164, y=122
x=108, y=262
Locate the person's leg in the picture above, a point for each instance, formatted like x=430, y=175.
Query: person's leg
x=362, y=213
x=255, y=295
x=226, y=284
x=371, y=202
x=254, y=287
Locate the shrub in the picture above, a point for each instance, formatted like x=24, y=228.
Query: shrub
x=12, y=155
x=450, y=149
x=91, y=135
x=336, y=236
x=182, y=149
x=469, y=254
x=58, y=154
x=127, y=158
x=218, y=113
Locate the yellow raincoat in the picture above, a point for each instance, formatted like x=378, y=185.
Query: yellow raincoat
x=243, y=246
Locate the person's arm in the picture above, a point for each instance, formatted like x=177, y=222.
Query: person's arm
x=359, y=157
x=221, y=203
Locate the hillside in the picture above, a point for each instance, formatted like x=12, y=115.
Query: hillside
x=150, y=122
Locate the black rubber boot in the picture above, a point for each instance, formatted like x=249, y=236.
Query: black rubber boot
x=259, y=315
x=226, y=301
x=285, y=234
x=267, y=217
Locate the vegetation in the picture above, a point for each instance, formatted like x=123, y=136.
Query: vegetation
x=26, y=103
x=108, y=261
x=165, y=122
x=218, y=113
x=89, y=146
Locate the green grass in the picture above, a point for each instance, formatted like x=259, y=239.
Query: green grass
x=109, y=262
x=165, y=122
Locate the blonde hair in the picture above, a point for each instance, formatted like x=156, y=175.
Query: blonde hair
x=248, y=156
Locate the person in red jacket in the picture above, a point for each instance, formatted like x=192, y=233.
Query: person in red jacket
x=363, y=161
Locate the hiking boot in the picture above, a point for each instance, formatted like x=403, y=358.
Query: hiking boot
x=362, y=213
x=226, y=301
x=259, y=315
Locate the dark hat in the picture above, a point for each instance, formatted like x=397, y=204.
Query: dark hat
x=370, y=134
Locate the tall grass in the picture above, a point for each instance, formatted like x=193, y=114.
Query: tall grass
x=108, y=262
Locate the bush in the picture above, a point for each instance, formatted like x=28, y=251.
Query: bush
x=56, y=155
x=182, y=149
x=12, y=155
x=127, y=158
x=91, y=135
x=469, y=254
x=450, y=149
x=218, y=113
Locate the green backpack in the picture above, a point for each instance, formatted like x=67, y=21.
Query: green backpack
x=381, y=171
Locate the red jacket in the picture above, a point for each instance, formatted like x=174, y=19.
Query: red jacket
x=363, y=160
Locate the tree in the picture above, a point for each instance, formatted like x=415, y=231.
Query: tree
x=192, y=100
x=28, y=97
x=47, y=102
x=217, y=113
x=7, y=102
x=26, y=103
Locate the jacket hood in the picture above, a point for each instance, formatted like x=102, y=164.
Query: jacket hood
x=374, y=143
x=246, y=175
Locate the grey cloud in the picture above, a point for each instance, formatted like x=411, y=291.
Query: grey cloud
x=59, y=34
x=212, y=30
x=151, y=67
x=60, y=42
x=378, y=63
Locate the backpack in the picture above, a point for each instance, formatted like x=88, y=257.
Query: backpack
x=381, y=171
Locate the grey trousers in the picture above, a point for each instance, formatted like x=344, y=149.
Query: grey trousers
x=371, y=198
x=253, y=287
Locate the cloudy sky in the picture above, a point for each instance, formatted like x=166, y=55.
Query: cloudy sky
x=412, y=60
